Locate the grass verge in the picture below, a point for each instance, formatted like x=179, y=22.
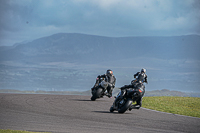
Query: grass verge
x=188, y=106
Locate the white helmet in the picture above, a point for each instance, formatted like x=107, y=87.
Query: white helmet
x=143, y=70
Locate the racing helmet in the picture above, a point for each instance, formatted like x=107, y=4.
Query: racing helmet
x=109, y=72
x=143, y=70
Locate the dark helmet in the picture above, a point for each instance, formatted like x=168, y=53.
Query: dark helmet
x=109, y=72
x=143, y=70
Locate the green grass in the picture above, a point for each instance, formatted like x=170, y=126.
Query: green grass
x=16, y=131
x=188, y=106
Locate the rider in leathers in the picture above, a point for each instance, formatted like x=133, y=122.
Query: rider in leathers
x=110, y=78
x=141, y=77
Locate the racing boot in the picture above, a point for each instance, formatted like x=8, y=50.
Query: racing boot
x=134, y=107
x=109, y=95
x=137, y=105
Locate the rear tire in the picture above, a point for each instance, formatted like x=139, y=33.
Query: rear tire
x=125, y=106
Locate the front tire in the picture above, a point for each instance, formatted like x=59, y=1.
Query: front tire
x=97, y=94
x=112, y=109
x=93, y=98
x=125, y=107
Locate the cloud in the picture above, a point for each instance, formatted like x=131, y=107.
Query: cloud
x=30, y=19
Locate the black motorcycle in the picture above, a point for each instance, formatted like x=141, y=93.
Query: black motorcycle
x=100, y=90
x=127, y=97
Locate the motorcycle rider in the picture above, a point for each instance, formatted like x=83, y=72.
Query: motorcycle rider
x=110, y=79
x=141, y=77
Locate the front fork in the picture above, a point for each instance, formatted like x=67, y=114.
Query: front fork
x=119, y=99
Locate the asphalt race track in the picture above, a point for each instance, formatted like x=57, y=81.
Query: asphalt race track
x=73, y=114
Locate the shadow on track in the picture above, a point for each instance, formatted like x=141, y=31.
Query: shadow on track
x=108, y=112
x=80, y=100
x=86, y=100
x=102, y=112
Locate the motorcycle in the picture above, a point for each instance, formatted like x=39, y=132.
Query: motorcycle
x=100, y=90
x=127, y=97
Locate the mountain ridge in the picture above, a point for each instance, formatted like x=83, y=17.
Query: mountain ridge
x=82, y=45
x=66, y=60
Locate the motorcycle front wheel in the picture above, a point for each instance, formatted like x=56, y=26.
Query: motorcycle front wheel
x=112, y=109
x=125, y=106
x=97, y=94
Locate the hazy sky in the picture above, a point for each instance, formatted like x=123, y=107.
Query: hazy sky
x=24, y=20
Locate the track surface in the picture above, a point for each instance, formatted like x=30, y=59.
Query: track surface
x=73, y=114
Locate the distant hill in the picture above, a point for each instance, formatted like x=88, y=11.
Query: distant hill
x=71, y=60
x=90, y=48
